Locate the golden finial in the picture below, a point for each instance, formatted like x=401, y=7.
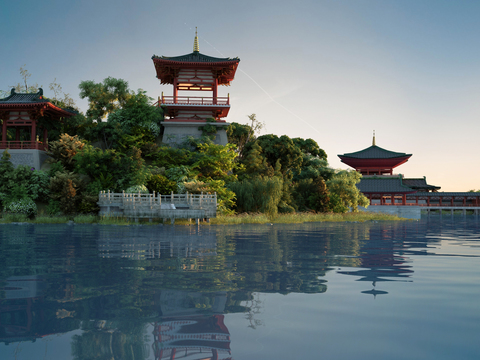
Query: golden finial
x=196, y=48
x=373, y=142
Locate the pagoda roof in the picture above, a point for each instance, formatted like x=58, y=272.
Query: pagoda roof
x=419, y=184
x=30, y=101
x=374, y=152
x=383, y=184
x=195, y=57
x=167, y=66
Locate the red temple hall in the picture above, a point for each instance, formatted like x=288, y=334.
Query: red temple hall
x=22, y=133
x=191, y=74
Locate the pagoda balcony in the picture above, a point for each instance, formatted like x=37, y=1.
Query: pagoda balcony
x=23, y=145
x=195, y=100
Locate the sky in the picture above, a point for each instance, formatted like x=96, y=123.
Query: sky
x=332, y=71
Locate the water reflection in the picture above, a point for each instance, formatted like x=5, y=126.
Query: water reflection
x=162, y=292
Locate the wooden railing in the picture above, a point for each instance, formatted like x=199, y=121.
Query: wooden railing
x=20, y=145
x=156, y=205
x=195, y=100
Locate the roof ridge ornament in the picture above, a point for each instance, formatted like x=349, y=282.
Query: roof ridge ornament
x=373, y=141
x=196, y=48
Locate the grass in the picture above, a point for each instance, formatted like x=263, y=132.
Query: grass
x=293, y=218
x=297, y=218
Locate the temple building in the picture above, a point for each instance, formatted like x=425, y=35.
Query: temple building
x=382, y=187
x=22, y=133
x=197, y=73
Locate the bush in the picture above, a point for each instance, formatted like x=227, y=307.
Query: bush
x=160, y=184
x=225, y=196
x=25, y=207
x=64, y=188
x=137, y=188
x=261, y=194
x=64, y=150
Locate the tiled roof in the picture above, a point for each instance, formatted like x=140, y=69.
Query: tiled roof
x=380, y=184
x=419, y=184
x=195, y=57
x=22, y=98
x=375, y=152
x=437, y=194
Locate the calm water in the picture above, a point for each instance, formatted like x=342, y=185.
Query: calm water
x=408, y=290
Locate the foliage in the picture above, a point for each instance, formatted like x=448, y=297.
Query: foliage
x=281, y=148
x=239, y=135
x=104, y=98
x=32, y=183
x=137, y=189
x=161, y=185
x=65, y=149
x=312, y=194
x=179, y=173
x=225, y=197
x=24, y=206
x=64, y=188
x=313, y=167
x=255, y=164
x=261, y=194
x=169, y=157
x=216, y=162
x=343, y=191
x=115, y=171
x=310, y=147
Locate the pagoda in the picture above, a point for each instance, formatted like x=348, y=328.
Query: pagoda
x=378, y=183
x=374, y=160
x=25, y=140
x=185, y=114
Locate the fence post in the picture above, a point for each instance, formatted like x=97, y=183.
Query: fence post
x=171, y=201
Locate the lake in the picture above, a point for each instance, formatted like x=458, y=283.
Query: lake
x=373, y=290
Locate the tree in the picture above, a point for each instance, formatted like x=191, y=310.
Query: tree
x=105, y=97
x=281, y=149
x=344, y=193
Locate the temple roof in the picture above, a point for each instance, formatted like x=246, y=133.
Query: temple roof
x=380, y=184
x=374, y=152
x=195, y=57
x=21, y=101
x=419, y=184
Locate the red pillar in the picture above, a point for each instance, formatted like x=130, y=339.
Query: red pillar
x=416, y=200
x=175, y=90
x=34, y=132
x=464, y=201
x=172, y=355
x=215, y=93
x=452, y=202
x=404, y=199
x=440, y=201
x=392, y=199
x=4, y=133
x=428, y=201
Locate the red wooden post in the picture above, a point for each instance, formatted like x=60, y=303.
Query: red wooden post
x=4, y=133
x=428, y=201
x=175, y=90
x=404, y=199
x=392, y=199
x=464, y=201
x=416, y=200
x=452, y=201
x=34, y=131
x=215, y=94
x=440, y=201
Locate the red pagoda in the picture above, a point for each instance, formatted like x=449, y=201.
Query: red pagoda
x=194, y=72
x=374, y=160
x=382, y=187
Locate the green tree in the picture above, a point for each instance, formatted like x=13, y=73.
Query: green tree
x=344, y=194
x=104, y=98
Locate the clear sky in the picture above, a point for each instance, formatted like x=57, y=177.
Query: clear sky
x=333, y=71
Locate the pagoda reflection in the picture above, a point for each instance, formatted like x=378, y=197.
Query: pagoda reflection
x=191, y=327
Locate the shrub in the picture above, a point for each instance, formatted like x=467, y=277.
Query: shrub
x=65, y=149
x=64, y=188
x=160, y=184
x=24, y=206
x=260, y=194
x=137, y=188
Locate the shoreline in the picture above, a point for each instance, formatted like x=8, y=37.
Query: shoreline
x=293, y=218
